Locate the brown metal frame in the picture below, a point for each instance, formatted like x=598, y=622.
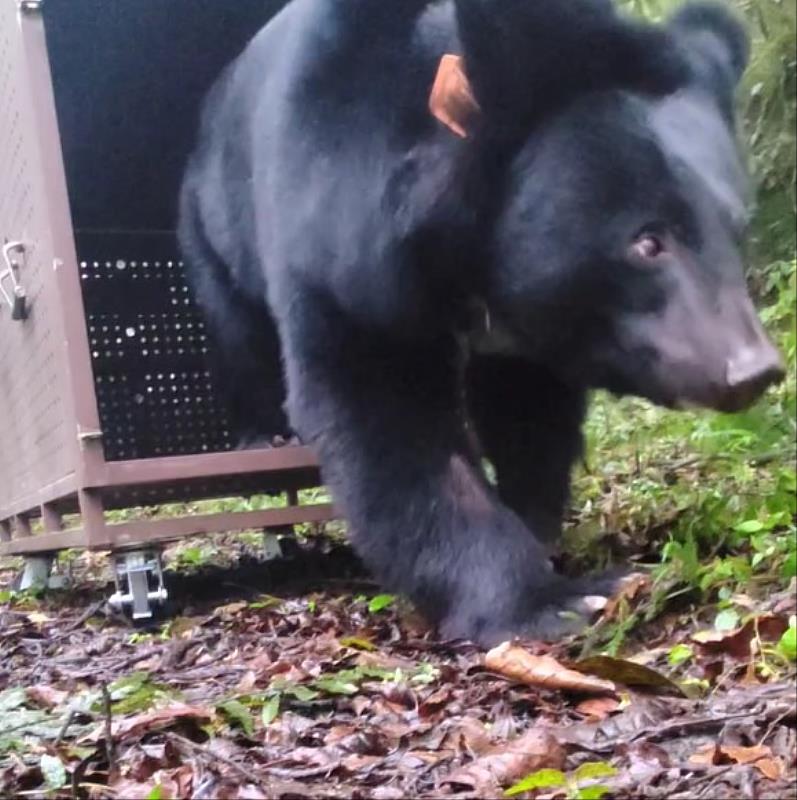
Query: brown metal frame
x=91, y=480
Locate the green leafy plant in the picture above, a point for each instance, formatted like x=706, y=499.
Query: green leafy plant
x=237, y=715
x=788, y=642
x=135, y=692
x=53, y=772
x=578, y=785
x=381, y=602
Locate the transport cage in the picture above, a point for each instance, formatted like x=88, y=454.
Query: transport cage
x=106, y=397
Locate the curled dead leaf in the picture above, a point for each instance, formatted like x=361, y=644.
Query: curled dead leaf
x=598, y=708
x=630, y=587
x=626, y=672
x=759, y=756
x=543, y=671
x=502, y=765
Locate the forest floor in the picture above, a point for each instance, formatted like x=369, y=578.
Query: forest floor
x=323, y=688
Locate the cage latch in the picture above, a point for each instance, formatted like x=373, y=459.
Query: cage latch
x=14, y=296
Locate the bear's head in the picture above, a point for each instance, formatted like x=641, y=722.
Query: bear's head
x=617, y=248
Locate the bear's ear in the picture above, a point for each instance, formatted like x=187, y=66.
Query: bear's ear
x=525, y=57
x=717, y=46
x=712, y=33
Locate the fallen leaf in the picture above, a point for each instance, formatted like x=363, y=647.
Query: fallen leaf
x=161, y=786
x=544, y=671
x=745, y=755
x=630, y=588
x=357, y=643
x=53, y=771
x=470, y=737
x=772, y=768
x=707, y=755
x=231, y=609
x=736, y=643
x=45, y=696
x=156, y=719
x=627, y=672
x=759, y=756
x=598, y=707
x=247, y=683
x=356, y=762
x=502, y=765
x=238, y=715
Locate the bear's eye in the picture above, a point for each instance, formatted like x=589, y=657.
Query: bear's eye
x=647, y=246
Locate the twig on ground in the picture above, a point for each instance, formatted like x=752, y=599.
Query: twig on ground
x=108, y=715
x=713, y=780
x=775, y=722
x=210, y=755
x=304, y=772
x=65, y=727
x=699, y=722
x=84, y=617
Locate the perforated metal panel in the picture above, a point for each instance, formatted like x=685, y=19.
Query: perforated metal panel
x=35, y=444
x=149, y=350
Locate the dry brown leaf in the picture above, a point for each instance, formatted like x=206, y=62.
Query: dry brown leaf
x=629, y=589
x=544, y=671
x=759, y=756
x=502, y=765
x=772, y=768
x=745, y=755
x=598, y=707
x=45, y=696
x=707, y=755
x=356, y=762
x=736, y=643
x=231, y=609
x=156, y=719
x=472, y=736
x=247, y=683
x=469, y=736
x=134, y=790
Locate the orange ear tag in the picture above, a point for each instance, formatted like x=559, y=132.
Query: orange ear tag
x=451, y=100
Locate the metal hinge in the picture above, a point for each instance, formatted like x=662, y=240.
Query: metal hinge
x=88, y=436
x=30, y=6
x=15, y=299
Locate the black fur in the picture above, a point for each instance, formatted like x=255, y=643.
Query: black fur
x=439, y=298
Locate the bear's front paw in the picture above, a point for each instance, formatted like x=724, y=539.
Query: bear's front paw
x=566, y=607
x=558, y=608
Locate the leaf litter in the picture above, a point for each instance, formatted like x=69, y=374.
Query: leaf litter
x=317, y=690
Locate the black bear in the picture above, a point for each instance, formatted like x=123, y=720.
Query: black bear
x=461, y=216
